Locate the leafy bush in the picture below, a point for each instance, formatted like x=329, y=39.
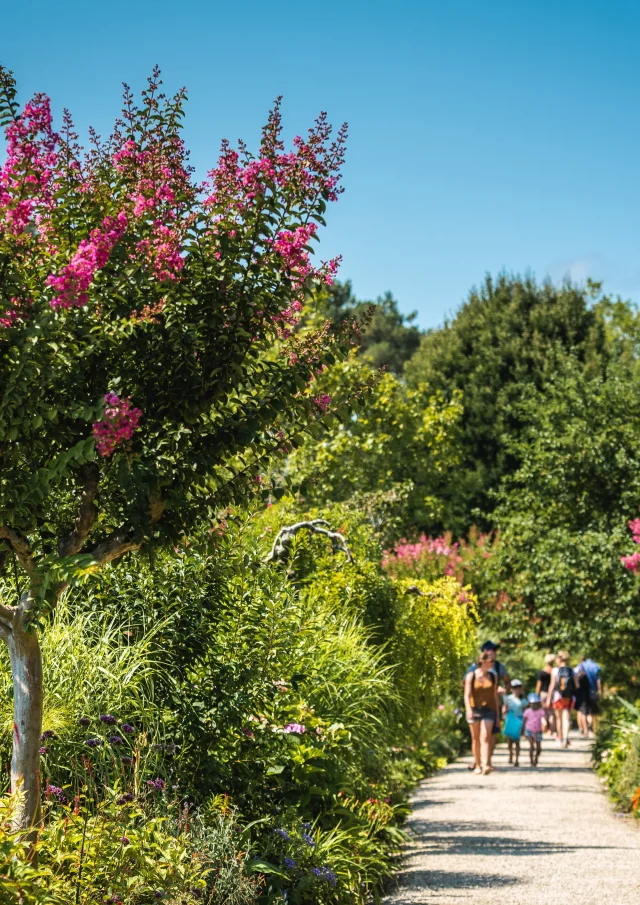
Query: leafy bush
x=124, y=851
x=617, y=756
x=297, y=693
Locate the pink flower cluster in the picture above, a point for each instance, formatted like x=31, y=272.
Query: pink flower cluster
x=291, y=246
x=119, y=422
x=438, y=546
x=15, y=312
x=27, y=175
x=72, y=283
x=632, y=562
x=323, y=402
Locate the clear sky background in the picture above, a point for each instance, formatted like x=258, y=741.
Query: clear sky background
x=484, y=136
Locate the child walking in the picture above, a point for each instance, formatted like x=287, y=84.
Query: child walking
x=532, y=726
x=514, y=707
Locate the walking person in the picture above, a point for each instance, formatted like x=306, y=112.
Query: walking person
x=504, y=685
x=582, y=698
x=589, y=669
x=543, y=683
x=482, y=709
x=561, y=691
x=514, y=707
x=532, y=726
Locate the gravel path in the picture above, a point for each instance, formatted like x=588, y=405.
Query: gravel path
x=519, y=837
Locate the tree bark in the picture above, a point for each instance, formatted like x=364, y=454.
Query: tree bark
x=26, y=669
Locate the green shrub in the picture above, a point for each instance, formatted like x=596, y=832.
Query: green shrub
x=617, y=755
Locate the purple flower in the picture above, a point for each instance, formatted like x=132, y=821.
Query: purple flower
x=298, y=728
x=306, y=826
x=43, y=750
x=108, y=719
x=158, y=894
x=93, y=742
x=329, y=876
x=125, y=799
x=49, y=733
x=307, y=838
x=57, y=792
x=126, y=760
x=128, y=728
x=124, y=840
x=316, y=871
x=116, y=739
x=289, y=863
x=284, y=834
x=156, y=784
x=457, y=711
x=84, y=721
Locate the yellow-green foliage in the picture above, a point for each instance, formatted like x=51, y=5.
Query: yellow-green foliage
x=433, y=639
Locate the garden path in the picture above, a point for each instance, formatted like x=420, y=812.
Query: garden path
x=519, y=836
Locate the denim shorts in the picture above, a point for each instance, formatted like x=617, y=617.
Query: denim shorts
x=483, y=715
x=536, y=735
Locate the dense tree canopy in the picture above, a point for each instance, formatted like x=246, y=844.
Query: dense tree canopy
x=563, y=518
x=508, y=335
x=403, y=443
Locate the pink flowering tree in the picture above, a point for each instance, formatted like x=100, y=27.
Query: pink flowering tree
x=149, y=365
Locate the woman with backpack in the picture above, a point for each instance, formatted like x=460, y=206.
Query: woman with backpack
x=561, y=692
x=482, y=708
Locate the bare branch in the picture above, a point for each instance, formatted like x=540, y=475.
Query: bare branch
x=87, y=514
x=282, y=543
x=414, y=589
x=21, y=548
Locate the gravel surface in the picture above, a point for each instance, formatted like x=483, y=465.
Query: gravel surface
x=545, y=836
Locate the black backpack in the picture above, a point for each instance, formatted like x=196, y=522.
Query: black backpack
x=566, y=682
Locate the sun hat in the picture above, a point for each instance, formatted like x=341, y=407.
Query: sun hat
x=533, y=698
x=516, y=683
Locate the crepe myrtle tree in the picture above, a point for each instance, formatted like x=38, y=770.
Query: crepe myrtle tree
x=149, y=365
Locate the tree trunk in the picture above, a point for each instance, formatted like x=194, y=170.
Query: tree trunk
x=26, y=670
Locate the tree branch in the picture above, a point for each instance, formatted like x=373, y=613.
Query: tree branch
x=282, y=543
x=113, y=547
x=7, y=614
x=87, y=515
x=21, y=548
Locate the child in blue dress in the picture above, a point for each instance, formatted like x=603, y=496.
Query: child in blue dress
x=514, y=706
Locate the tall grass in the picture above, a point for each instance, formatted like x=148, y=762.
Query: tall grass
x=92, y=665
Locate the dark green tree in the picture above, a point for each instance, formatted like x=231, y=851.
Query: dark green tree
x=563, y=518
x=508, y=336
x=389, y=337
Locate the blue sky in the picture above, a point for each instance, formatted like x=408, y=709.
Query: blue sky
x=484, y=136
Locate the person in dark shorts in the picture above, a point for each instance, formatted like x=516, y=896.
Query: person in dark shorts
x=591, y=709
x=482, y=709
x=582, y=699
